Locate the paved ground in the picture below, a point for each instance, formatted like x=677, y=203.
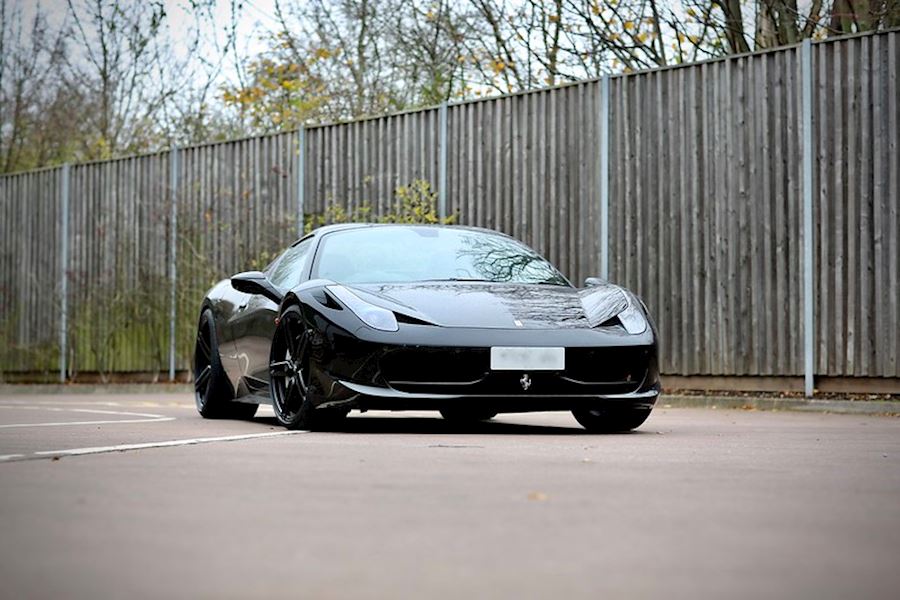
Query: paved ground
x=697, y=503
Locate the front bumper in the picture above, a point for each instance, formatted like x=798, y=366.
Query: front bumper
x=453, y=369
x=368, y=397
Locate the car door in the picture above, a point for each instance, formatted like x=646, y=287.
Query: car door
x=253, y=322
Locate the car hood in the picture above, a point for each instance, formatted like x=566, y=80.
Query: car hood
x=498, y=305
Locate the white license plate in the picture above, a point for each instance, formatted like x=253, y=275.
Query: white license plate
x=517, y=358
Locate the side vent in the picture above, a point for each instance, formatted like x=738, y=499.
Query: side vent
x=325, y=299
x=610, y=322
x=401, y=318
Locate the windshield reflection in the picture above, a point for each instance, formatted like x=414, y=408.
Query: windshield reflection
x=496, y=259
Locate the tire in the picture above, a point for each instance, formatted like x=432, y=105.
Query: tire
x=293, y=391
x=467, y=415
x=611, y=420
x=212, y=390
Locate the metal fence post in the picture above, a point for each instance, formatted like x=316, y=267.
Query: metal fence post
x=603, y=174
x=442, y=161
x=173, y=248
x=807, y=168
x=301, y=180
x=64, y=271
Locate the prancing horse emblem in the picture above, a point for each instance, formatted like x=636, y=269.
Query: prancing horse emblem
x=525, y=381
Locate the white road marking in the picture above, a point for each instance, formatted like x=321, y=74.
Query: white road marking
x=63, y=423
x=141, y=403
x=144, y=417
x=143, y=446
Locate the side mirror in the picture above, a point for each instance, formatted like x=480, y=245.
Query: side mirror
x=256, y=282
x=593, y=282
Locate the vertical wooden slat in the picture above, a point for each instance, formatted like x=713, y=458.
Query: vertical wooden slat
x=891, y=359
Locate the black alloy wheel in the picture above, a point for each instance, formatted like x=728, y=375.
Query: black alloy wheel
x=212, y=390
x=293, y=391
x=289, y=369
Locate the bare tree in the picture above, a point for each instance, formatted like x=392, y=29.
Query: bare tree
x=124, y=64
x=516, y=45
x=38, y=113
x=350, y=58
x=109, y=78
x=196, y=113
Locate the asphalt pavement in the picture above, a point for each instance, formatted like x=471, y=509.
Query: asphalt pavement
x=134, y=495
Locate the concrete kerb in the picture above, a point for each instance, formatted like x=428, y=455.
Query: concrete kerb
x=864, y=407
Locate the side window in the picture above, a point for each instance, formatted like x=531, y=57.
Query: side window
x=289, y=269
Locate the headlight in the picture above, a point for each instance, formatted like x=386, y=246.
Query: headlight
x=373, y=316
x=632, y=318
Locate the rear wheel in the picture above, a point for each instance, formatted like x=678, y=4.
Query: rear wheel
x=467, y=415
x=212, y=390
x=293, y=391
x=611, y=420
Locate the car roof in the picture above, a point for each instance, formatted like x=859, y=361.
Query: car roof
x=325, y=229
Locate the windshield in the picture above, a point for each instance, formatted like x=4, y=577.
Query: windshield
x=392, y=254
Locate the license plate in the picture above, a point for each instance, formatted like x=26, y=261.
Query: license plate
x=517, y=358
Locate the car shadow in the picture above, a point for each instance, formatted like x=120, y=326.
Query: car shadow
x=440, y=426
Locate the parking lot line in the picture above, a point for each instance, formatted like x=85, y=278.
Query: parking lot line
x=143, y=417
x=62, y=423
x=143, y=446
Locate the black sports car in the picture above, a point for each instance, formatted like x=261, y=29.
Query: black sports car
x=466, y=321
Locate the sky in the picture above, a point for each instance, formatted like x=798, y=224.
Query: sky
x=255, y=18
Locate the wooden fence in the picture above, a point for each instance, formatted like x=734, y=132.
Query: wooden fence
x=685, y=184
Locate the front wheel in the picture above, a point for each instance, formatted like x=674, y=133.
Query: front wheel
x=611, y=420
x=292, y=387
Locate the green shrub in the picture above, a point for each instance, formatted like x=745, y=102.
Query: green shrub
x=414, y=203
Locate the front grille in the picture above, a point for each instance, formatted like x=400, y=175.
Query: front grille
x=466, y=371
x=429, y=365
x=608, y=365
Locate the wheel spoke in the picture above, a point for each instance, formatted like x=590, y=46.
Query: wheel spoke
x=202, y=379
x=295, y=342
x=301, y=348
x=289, y=341
x=292, y=396
x=298, y=343
x=301, y=382
x=281, y=368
